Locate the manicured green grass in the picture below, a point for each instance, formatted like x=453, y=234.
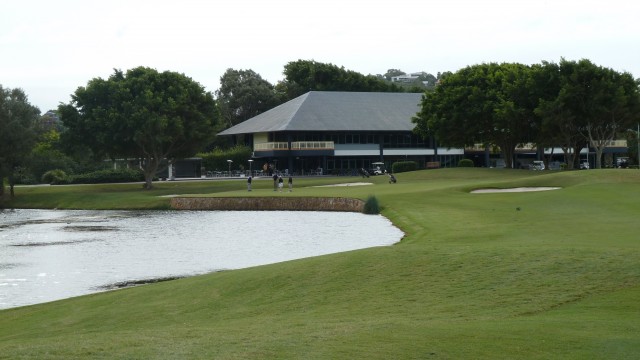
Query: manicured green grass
x=541, y=275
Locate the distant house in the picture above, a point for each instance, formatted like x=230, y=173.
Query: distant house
x=339, y=132
x=406, y=78
x=51, y=121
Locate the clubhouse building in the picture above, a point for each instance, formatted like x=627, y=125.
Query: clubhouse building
x=324, y=132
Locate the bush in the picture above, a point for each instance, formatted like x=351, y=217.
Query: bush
x=21, y=175
x=404, y=166
x=107, y=176
x=44, y=160
x=54, y=177
x=217, y=158
x=465, y=163
x=371, y=206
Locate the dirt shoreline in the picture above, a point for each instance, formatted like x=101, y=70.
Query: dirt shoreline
x=267, y=203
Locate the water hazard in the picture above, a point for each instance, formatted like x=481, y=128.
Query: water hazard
x=47, y=255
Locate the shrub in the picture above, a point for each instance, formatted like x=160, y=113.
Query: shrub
x=465, y=163
x=404, y=166
x=371, y=206
x=21, y=175
x=54, y=177
x=217, y=158
x=45, y=160
x=108, y=176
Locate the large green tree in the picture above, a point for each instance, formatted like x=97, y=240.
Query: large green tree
x=308, y=75
x=18, y=124
x=591, y=106
x=560, y=124
x=606, y=101
x=487, y=103
x=244, y=94
x=142, y=113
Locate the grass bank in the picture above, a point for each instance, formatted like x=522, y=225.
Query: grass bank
x=539, y=275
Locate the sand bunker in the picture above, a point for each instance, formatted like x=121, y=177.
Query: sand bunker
x=346, y=184
x=512, y=190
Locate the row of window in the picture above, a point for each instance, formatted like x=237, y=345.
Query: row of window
x=388, y=140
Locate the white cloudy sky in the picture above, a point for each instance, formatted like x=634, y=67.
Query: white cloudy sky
x=49, y=48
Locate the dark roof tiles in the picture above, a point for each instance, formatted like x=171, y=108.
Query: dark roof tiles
x=336, y=111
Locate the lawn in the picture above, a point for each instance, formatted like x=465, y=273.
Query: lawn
x=537, y=275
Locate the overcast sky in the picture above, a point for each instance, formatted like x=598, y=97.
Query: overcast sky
x=50, y=48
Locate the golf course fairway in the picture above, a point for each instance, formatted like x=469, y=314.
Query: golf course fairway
x=520, y=275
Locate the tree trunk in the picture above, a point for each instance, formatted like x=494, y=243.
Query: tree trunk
x=12, y=183
x=576, y=156
x=599, y=138
x=599, y=145
x=565, y=152
x=507, y=151
x=547, y=158
x=599, y=151
x=149, y=169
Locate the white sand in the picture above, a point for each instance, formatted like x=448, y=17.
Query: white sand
x=346, y=184
x=512, y=190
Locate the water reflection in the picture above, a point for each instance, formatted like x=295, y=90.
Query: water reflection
x=47, y=255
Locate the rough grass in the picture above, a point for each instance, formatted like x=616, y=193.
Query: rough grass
x=541, y=275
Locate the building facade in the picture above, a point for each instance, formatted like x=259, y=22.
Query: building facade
x=340, y=133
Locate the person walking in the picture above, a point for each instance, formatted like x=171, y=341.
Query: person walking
x=290, y=183
x=280, y=183
x=249, y=183
x=275, y=181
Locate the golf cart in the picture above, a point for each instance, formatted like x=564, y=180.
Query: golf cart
x=377, y=168
x=537, y=165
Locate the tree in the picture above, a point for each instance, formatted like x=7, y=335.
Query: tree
x=303, y=76
x=559, y=123
x=18, y=124
x=608, y=101
x=514, y=120
x=48, y=155
x=591, y=106
x=488, y=104
x=144, y=114
x=244, y=94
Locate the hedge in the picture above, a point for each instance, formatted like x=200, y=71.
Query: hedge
x=404, y=166
x=217, y=158
x=105, y=176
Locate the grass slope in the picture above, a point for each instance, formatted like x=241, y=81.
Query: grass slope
x=540, y=275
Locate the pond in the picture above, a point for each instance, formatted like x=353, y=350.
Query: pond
x=48, y=255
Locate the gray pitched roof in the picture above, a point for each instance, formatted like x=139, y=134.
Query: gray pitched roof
x=336, y=111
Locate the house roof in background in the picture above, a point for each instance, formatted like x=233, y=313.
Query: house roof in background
x=336, y=111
